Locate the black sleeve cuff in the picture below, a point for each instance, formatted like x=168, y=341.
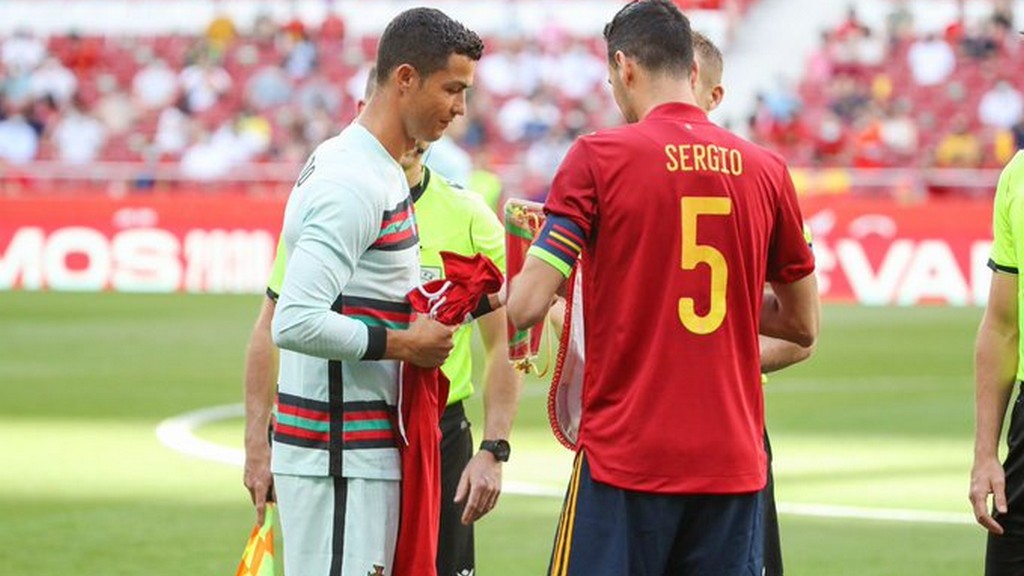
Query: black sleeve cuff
x=376, y=343
x=483, y=308
x=271, y=294
x=1000, y=268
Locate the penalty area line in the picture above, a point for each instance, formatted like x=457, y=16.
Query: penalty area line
x=178, y=434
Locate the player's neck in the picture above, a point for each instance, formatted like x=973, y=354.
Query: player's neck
x=659, y=93
x=380, y=118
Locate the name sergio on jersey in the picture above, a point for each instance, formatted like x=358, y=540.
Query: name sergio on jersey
x=703, y=158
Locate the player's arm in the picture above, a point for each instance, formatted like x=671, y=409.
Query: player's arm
x=777, y=354
x=791, y=313
x=480, y=484
x=338, y=227
x=260, y=380
x=995, y=368
x=532, y=292
x=571, y=210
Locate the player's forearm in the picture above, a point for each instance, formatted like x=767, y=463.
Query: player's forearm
x=792, y=312
x=532, y=292
x=777, y=354
x=995, y=370
x=501, y=399
x=502, y=384
x=260, y=378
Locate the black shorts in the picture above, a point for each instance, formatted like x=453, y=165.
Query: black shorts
x=1005, y=554
x=455, y=542
x=772, y=537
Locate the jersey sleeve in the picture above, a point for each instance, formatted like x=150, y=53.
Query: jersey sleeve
x=277, y=271
x=486, y=233
x=1003, y=255
x=571, y=211
x=338, y=226
x=789, y=256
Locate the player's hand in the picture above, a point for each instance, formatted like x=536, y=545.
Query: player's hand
x=988, y=477
x=430, y=342
x=257, y=477
x=479, y=486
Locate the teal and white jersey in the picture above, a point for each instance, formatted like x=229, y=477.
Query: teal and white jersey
x=352, y=251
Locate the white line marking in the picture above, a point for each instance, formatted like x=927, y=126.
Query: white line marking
x=178, y=434
x=884, y=514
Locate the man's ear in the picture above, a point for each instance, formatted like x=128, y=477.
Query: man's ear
x=717, y=95
x=624, y=68
x=405, y=76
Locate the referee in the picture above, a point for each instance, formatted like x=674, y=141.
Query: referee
x=998, y=368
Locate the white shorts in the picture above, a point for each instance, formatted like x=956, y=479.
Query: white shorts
x=338, y=526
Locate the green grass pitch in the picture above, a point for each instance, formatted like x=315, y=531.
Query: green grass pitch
x=880, y=420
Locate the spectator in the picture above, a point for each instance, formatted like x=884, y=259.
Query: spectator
x=899, y=132
x=207, y=159
x=318, y=92
x=959, y=148
x=221, y=32
x=53, y=80
x=931, y=60
x=172, y=129
x=22, y=52
x=300, y=56
x=19, y=142
x=78, y=135
x=496, y=72
x=154, y=85
x=114, y=108
x=332, y=29
x=1002, y=106
x=1018, y=134
x=268, y=87
x=578, y=72
x=82, y=55
x=203, y=83
x=979, y=41
x=446, y=157
x=528, y=119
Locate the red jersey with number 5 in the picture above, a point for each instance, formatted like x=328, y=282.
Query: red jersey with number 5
x=680, y=224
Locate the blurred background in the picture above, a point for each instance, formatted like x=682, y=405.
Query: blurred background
x=147, y=148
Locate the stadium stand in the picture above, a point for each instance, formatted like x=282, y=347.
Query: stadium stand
x=156, y=110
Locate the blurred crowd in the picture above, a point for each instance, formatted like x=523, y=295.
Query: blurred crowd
x=896, y=97
x=268, y=91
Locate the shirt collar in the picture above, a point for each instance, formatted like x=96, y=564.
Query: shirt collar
x=417, y=191
x=677, y=111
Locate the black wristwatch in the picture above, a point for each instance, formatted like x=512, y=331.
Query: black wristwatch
x=500, y=448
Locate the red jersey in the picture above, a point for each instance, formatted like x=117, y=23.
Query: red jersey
x=680, y=223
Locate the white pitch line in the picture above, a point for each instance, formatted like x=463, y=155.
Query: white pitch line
x=178, y=434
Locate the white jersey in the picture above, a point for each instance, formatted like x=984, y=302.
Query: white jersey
x=353, y=254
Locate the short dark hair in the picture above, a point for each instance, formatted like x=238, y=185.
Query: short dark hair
x=709, y=54
x=655, y=33
x=424, y=38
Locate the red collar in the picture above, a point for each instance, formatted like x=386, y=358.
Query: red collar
x=678, y=111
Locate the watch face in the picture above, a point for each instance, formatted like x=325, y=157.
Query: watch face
x=500, y=448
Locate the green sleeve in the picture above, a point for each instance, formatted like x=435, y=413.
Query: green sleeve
x=487, y=233
x=277, y=272
x=1003, y=256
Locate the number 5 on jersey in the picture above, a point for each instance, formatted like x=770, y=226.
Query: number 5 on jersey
x=694, y=254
